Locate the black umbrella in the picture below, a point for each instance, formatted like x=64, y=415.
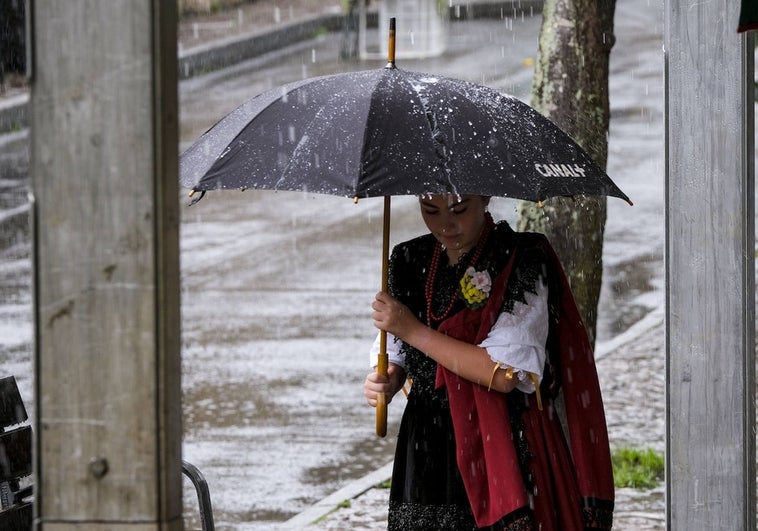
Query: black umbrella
x=391, y=132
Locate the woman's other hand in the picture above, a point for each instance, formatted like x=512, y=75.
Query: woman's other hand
x=376, y=384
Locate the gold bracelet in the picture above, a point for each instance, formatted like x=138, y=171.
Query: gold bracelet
x=492, y=378
x=536, y=384
x=407, y=391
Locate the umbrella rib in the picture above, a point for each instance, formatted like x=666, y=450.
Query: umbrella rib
x=280, y=92
x=436, y=136
x=300, y=147
x=313, y=131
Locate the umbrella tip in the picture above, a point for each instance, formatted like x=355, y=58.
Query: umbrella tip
x=198, y=198
x=391, y=45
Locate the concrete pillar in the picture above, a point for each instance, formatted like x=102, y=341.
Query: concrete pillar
x=106, y=265
x=710, y=255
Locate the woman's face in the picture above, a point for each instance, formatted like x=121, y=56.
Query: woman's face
x=456, y=221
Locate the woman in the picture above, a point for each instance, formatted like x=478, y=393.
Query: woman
x=481, y=320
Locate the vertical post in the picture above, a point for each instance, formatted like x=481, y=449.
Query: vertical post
x=362, y=28
x=710, y=255
x=106, y=268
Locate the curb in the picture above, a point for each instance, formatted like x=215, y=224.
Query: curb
x=332, y=502
x=227, y=52
x=13, y=113
x=653, y=319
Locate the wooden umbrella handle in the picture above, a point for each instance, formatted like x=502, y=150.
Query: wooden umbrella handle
x=383, y=360
x=381, y=368
x=381, y=408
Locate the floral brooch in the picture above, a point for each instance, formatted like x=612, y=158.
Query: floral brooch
x=475, y=287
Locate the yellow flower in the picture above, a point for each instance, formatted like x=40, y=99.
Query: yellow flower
x=475, y=287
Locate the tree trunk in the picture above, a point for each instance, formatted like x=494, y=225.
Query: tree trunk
x=571, y=88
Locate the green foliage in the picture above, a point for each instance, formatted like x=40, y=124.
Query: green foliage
x=636, y=468
x=319, y=32
x=344, y=504
x=385, y=484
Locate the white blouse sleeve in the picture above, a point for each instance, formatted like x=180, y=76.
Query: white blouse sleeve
x=393, y=351
x=518, y=339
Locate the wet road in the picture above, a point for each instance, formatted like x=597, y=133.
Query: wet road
x=276, y=287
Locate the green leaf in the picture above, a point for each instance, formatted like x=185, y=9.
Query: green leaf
x=637, y=468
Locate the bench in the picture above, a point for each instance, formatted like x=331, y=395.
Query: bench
x=15, y=459
x=16, y=466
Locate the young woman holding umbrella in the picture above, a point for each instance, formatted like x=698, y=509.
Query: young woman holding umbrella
x=482, y=321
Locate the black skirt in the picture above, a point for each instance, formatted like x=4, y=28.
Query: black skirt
x=427, y=491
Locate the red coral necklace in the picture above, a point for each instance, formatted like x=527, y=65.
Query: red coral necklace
x=429, y=288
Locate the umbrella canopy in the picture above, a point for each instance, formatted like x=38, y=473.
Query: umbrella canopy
x=391, y=132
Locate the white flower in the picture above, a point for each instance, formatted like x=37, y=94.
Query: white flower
x=480, y=279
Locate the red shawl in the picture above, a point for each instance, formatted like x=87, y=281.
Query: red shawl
x=572, y=484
